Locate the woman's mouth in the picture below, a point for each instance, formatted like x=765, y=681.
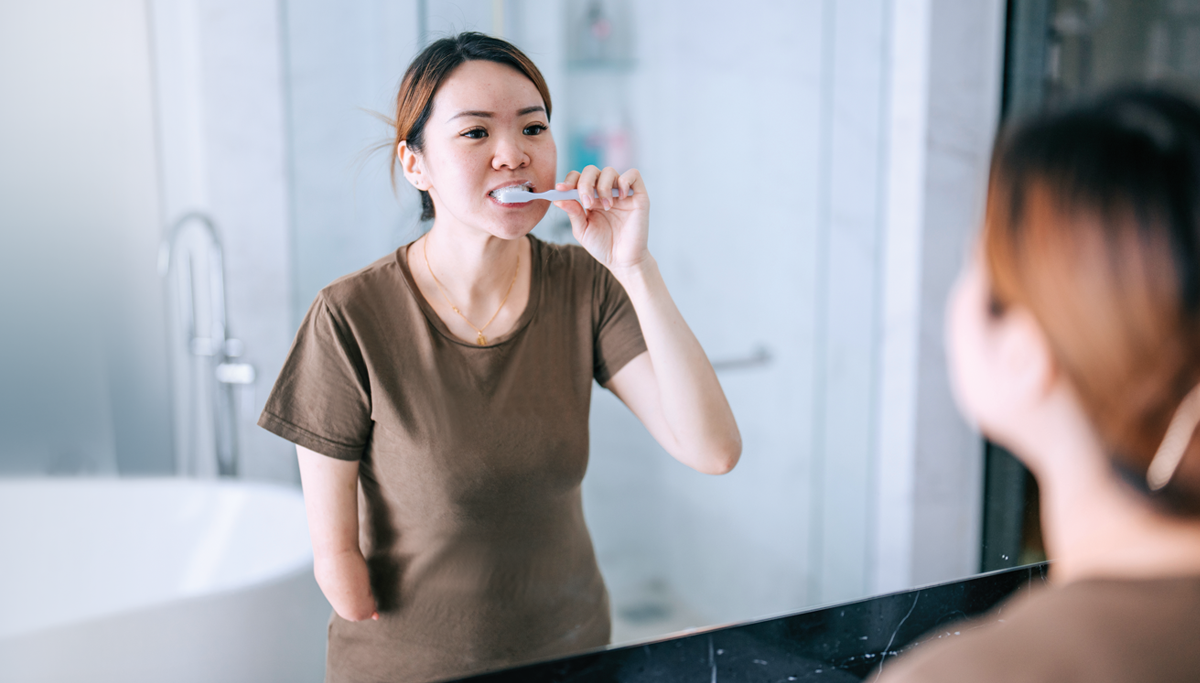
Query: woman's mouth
x=528, y=186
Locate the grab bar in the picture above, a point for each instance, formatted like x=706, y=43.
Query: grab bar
x=761, y=356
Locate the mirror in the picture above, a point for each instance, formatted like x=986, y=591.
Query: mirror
x=816, y=170
x=769, y=149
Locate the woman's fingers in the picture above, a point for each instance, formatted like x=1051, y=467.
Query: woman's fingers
x=587, y=186
x=572, y=208
x=577, y=215
x=596, y=187
x=625, y=182
x=569, y=182
x=604, y=187
x=631, y=182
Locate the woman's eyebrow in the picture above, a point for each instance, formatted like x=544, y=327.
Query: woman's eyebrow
x=488, y=114
x=475, y=114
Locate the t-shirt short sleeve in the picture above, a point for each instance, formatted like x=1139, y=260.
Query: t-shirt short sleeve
x=618, y=335
x=322, y=399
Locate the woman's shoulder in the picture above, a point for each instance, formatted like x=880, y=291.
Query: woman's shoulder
x=1098, y=631
x=364, y=286
x=562, y=255
x=564, y=262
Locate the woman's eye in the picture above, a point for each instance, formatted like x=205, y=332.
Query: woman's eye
x=475, y=134
x=535, y=129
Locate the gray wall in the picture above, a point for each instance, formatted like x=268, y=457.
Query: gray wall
x=83, y=371
x=343, y=63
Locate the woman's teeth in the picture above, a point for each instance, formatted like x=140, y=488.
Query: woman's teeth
x=509, y=188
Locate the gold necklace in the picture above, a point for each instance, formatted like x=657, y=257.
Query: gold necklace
x=480, y=340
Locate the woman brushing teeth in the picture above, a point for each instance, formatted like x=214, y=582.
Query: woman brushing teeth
x=439, y=397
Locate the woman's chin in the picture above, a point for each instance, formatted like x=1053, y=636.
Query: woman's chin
x=509, y=233
x=516, y=224
x=503, y=222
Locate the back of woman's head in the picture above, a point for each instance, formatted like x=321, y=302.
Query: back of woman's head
x=427, y=72
x=1093, y=225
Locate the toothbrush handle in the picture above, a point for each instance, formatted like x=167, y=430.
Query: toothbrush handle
x=558, y=196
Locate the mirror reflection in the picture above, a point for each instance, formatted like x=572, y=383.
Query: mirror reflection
x=183, y=179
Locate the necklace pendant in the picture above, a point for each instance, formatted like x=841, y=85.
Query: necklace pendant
x=481, y=340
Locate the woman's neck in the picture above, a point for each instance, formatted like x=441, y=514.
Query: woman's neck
x=474, y=267
x=1097, y=526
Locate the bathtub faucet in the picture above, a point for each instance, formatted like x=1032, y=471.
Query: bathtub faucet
x=208, y=370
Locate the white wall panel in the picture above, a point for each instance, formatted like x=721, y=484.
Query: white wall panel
x=83, y=375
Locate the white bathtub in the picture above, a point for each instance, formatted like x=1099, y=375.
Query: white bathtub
x=157, y=580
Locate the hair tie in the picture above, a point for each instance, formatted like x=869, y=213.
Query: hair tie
x=1175, y=442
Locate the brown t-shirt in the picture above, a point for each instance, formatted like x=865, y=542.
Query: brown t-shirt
x=470, y=463
x=1094, y=631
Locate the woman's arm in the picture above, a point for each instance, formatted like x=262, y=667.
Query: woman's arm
x=331, y=501
x=672, y=388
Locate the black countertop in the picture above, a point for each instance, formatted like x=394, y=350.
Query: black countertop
x=827, y=645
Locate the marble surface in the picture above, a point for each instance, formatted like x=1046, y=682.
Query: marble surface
x=832, y=644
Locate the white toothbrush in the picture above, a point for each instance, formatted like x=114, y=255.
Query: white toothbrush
x=516, y=195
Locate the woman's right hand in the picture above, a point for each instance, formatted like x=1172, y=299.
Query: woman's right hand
x=331, y=501
x=614, y=230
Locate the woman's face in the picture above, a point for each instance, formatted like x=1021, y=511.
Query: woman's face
x=488, y=129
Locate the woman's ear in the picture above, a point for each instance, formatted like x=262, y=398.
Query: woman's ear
x=412, y=165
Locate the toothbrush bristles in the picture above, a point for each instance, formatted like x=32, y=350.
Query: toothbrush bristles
x=512, y=195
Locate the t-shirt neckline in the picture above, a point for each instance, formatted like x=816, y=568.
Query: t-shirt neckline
x=535, y=295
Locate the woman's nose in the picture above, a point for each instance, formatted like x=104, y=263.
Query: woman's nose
x=510, y=153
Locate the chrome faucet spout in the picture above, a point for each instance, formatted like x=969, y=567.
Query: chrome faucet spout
x=192, y=258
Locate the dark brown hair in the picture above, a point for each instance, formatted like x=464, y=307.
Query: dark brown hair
x=1093, y=224
x=429, y=70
